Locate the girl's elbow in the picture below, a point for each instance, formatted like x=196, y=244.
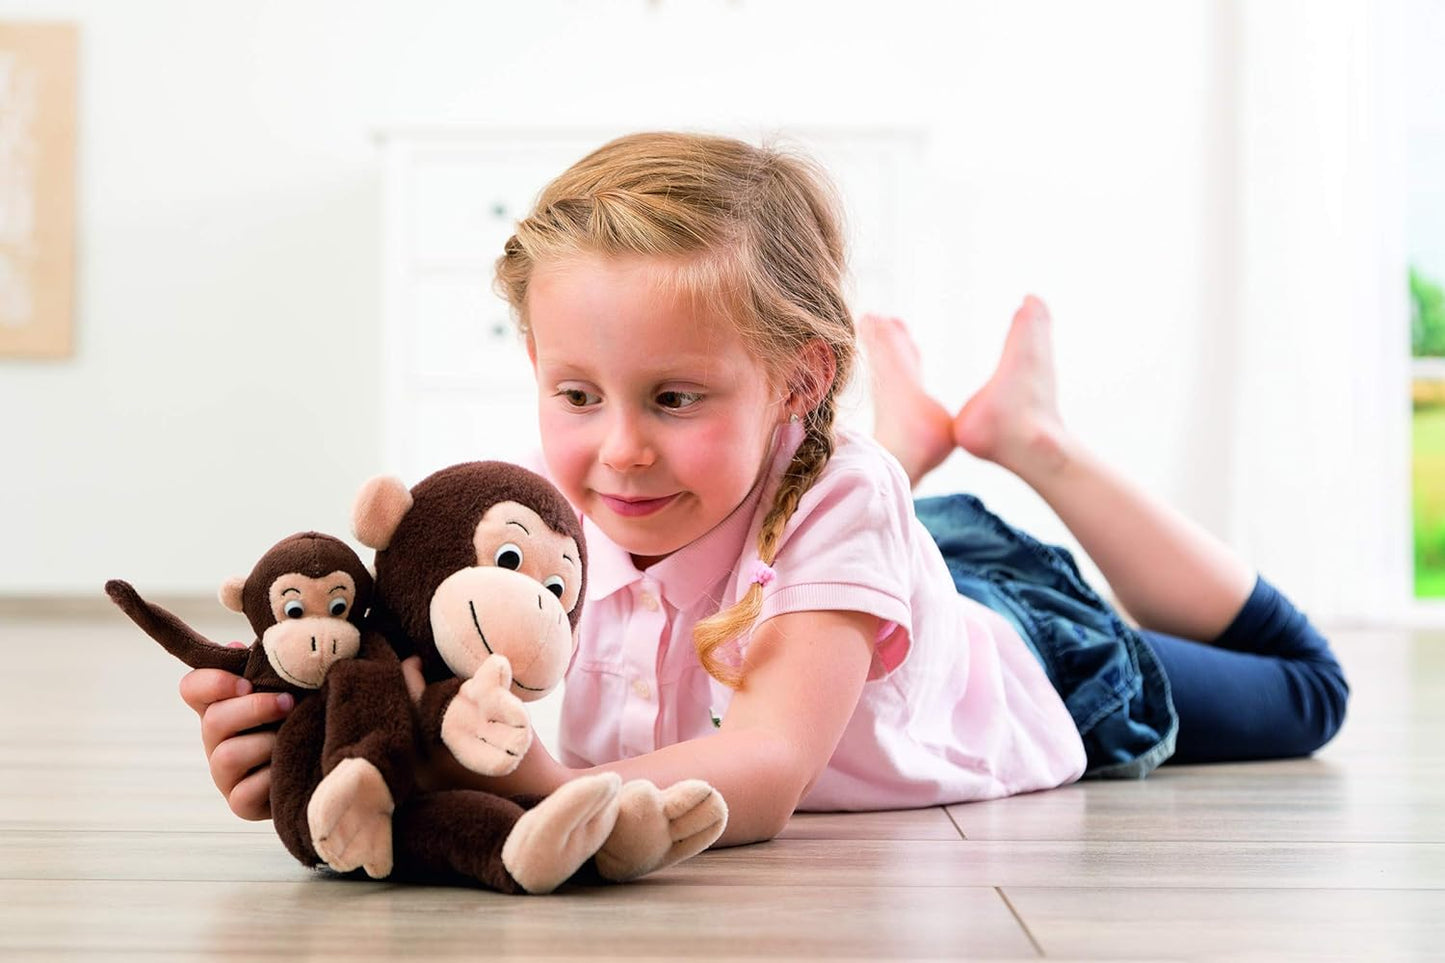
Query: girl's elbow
x=767, y=819
x=755, y=826
x=774, y=820
x=778, y=781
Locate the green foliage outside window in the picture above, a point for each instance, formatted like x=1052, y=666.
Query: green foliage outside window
x=1427, y=316
x=1427, y=339
x=1429, y=500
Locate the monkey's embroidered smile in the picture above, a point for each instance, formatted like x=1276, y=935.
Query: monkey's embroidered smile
x=472, y=607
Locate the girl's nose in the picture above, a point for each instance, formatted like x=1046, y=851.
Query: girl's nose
x=625, y=445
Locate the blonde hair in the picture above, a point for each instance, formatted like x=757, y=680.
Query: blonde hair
x=753, y=232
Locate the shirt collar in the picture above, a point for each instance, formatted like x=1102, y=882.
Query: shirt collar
x=693, y=569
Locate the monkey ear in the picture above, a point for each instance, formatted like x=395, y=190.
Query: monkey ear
x=230, y=592
x=380, y=506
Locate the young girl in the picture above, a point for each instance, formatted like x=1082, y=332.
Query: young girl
x=767, y=607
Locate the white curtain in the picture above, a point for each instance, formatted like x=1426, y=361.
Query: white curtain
x=1320, y=476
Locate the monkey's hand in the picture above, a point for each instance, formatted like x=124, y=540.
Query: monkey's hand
x=657, y=828
x=486, y=725
x=350, y=819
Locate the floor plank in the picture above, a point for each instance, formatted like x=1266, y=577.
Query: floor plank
x=329, y=919
x=1078, y=863
x=1307, y=924
x=1307, y=800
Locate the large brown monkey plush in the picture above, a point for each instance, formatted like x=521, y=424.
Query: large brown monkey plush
x=346, y=752
x=480, y=570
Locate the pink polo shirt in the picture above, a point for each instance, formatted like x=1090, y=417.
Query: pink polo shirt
x=955, y=708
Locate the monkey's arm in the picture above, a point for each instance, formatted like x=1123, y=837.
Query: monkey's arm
x=368, y=758
x=175, y=636
x=432, y=707
x=369, y=715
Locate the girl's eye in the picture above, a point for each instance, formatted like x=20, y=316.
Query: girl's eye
x=338, y=607
x=577, y=398
x=293, y=610
x=677, y=400
x=508, y=556
x=555, y=585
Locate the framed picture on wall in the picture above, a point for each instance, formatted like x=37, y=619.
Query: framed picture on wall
x=37, y=189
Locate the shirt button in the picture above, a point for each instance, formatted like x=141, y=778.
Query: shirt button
x=643, y=690
x=649, y=601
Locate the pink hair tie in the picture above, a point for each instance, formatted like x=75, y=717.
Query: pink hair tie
x=760, y=572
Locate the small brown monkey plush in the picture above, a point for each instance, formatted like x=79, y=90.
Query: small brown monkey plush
x=345, y=754
x=481, y=571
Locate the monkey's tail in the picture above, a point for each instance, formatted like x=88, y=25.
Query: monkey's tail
x=175, y=636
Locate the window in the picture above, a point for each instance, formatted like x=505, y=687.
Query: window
x=1425, y=248
x=1427, y=397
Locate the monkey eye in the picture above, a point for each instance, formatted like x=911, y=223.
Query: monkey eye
x=338, y=607
x=293, y=609
x=508, y=556
x=555, y=585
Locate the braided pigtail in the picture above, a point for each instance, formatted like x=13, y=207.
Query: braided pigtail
x=712, y=636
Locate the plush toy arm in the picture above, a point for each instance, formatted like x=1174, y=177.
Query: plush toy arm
x=432, y=707
x=478, y=721
x=368, y=759
x=175, y=636
x=369, y=716
x=486, y=726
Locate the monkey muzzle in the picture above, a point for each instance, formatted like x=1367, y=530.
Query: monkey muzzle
x=302, y=650
x=483, y=611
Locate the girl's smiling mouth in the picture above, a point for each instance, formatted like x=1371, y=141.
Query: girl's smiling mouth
x=636, y=507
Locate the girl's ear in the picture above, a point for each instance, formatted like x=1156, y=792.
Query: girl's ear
x=380, y=506
x=812, y=377
x=230, y=593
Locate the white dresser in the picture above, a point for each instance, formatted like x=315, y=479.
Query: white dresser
x=457, y=382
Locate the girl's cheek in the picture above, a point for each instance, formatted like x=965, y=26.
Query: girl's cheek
x=703, y=444
x=718, y=434
x=564, y=447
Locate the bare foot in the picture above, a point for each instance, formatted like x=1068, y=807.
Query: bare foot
x=912, y=425
x=1013, y=420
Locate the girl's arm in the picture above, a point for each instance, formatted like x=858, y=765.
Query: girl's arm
x=805, y=672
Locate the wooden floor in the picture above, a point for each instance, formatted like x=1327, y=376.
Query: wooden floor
x=114, y=843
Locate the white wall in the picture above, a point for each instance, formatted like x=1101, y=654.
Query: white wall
x=224, y=391
x=1425, y=106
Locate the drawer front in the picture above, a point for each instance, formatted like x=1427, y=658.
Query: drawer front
x=459, y=383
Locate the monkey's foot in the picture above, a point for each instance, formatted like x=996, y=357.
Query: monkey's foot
x=350, y=819
x=553, y=839
x=659, y=827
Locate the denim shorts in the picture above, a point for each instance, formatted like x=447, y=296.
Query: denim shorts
x=1110, y=680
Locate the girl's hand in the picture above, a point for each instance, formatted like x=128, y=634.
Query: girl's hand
x=239, y=760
